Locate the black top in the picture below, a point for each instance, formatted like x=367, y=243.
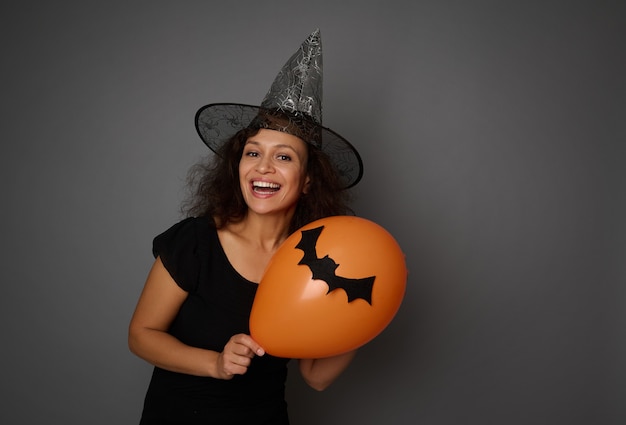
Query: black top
x=217, y=307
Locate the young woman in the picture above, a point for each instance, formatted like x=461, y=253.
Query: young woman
x=278, y=172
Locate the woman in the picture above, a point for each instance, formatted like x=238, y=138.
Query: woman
x=279, y=171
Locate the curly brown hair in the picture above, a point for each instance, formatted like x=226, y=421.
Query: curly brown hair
x=214, y=189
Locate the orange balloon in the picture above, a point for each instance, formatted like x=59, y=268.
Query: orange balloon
x=331, y=287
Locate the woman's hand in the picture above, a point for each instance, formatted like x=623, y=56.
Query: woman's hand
x=237, y=356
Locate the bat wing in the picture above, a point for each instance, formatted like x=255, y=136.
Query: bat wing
x=307, y=244
x=325, y=269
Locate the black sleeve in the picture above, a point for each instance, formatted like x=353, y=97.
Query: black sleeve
x=178, y=249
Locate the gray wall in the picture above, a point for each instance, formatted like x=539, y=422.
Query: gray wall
x=493, y=139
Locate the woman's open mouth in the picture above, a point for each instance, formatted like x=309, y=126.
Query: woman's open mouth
x=265, y=187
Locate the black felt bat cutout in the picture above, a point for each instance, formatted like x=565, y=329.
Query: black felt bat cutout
x=324, y=269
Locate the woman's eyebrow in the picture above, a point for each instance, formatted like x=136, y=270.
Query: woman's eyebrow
x=278, y=145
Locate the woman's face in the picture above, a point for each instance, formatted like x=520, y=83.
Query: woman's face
x=272, y=171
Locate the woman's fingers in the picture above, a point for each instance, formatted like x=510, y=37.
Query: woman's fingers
x=238, y=354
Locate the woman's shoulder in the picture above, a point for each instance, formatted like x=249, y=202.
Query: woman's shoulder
x=185, y=234
x=183, y=247
x=189, y=226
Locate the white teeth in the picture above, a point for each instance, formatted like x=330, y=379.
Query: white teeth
x=266, y=184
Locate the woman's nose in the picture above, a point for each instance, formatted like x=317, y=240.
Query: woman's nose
x=265, y=165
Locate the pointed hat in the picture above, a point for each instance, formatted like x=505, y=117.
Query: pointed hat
x=293, y=105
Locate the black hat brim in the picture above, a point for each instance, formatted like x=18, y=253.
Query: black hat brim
x=216, y=123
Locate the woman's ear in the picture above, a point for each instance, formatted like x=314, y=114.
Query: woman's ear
x=305, y=188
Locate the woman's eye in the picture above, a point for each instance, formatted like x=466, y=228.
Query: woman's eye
x=251, y=153
x=284, y=157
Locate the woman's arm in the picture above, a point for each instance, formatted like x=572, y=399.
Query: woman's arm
x=157, y=307
x=320, y=373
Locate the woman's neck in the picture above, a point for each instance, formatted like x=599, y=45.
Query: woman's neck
x=265, y=232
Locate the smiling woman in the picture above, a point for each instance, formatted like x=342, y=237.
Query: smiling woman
x=278, y=171
x=273, y=172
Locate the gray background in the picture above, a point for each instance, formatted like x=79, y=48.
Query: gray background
x=493, y=138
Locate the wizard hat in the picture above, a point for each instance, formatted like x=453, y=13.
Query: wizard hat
x=292, y=105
